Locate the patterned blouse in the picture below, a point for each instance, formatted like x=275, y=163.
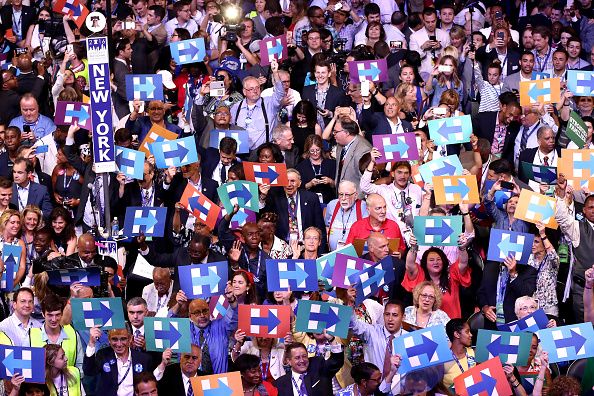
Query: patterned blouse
x=438, y=317
x=547, y=280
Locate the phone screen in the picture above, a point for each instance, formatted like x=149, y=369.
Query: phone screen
x=507, y=185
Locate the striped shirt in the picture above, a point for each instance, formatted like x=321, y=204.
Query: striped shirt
x=489, y=93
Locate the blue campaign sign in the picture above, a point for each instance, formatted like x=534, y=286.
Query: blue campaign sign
x=443, y=166
x=450, y=130
x=107, y=313
x=130, y=162
x=580, y=82
x=537, y=320
x=145, y=220
x=144, y=86
x=65, y=277
x=317, y=316
x=188, y=51
x=373, y=278
x=203, y=280
x=504, y=243
x=11, y=255
x=422, y=348
x=241, y=137
x=176, y=152
x=100, y=92
x=568, y=342
x=26, y=361
x=294, y=275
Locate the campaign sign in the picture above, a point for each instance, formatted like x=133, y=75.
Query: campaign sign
x=317, y=316
x=422, y=348
x=396, y=147
x=107, y=313
x=164, y=333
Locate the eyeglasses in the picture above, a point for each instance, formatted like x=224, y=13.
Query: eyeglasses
x=222, y=113
x=345, y=195
x=204, y=312
x=328, y=41
x=156, y=108
x=314, y=151
x=253, y=89
x=336, y=132
x=526, y=308
x=427, y=297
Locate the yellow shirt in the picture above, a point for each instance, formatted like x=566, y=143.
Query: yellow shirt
x=452, y=370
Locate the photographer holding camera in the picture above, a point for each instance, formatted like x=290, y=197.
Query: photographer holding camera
x=241, y=39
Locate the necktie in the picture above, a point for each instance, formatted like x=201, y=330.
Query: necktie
x=341, y=162
x=190, y=390
x=223, y=174
x=342, y=154
x=302, y=388
x=292, y=215
x=206, y=362
x=403, y=199
x=524, y=140
x=387, y=362
x=546, y=160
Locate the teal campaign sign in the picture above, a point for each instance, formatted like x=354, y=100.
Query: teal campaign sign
x=450, y=130
x=511, y=348
x=106, y=313
x=443, y=166
x=325, y=263
x=437, y=230
x=317, y=316
x=163, y=333
x=240, y=192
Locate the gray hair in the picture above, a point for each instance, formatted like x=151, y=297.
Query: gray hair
x=278, y=131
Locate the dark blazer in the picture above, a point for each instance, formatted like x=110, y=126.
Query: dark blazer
x=104, y=365
x=328, y=168
x=483, y=125
x=28, y=16
x=172, y=382
x=133, y=197
x=335, y=97
x=512, y=64
x=209, y=161
x=5, y=168
x=311, y=213
x=292, y=157
x=374, y=123
x=318, y=379
x=523, y=285
x=10, y=105
x=179, y=257
x=528, y=156
x=38, y=196
x=142, y=125
x=120, y=102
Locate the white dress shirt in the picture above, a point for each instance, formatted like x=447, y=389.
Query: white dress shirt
x=23, y=196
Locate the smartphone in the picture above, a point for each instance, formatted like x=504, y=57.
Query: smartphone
x=365, y=88
x=500, y=35
x=444, y=68
x=498, y=15
x=439, y=110
x=507, y=185
x=319, y=109
x=41, y=149
x=432, y=38
x=69, y=48
x=319, y=177
x=21, y=51
x=129, y=25
x=26, y=128
x=396, y=44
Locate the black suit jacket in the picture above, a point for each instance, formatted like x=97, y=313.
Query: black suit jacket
x=311, y=213
x=209, y=161
x=107, y=384
x=172, y=382
x=335, y=97
x=523, y=285
x=512, y=63
x=133, y=197
x=528, y=156
x=374, y=123
x=120, y=102
x=483, y=125
x=5, y=165
x=318, y=379
x=28, y=16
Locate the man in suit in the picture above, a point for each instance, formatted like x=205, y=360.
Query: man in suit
x=309, y=376
x=26, y=192
x=500, y=128
x=545, y=154
x=17, y=17
x=121, y=67
x=155, y=29
x=498, y=49
x=117, y=365
x=330, y=95
x=297, y=210
x=421, y=42
x=197, y=252
x=86, y=254
x=216, y=163
x=351, y=147
x=145, y=192
x=381, y=123
x=512, y=82
x=520, y=280
x=176, y=379
x=282, y=136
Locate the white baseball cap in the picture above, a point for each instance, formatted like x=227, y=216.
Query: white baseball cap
x=167, y=79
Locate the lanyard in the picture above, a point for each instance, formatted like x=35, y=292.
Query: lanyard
x=62, y=384
x=316, y=172
x=159, y=305
x=21, y=204
x=67, y=185
x=247, y=258
x=250, y=112
x=321, y=97
x=146, y=199
x=264, y=370
x=125, y=374
x=458, y=361
x=495, y=89
x=546, y=59
x=16, y=26
x=344, y=225
x=297, y=387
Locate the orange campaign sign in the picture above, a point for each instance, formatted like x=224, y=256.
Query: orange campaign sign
x=576, y=164
x=533, y=207
x=200, y=206
x=273, y=174
x=271, y=321
x=545, y=91
x=416, y=175
x=228, y=384
x=156, y=134
x=455, y=189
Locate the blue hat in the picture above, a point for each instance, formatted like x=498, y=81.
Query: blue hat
x=231, y=65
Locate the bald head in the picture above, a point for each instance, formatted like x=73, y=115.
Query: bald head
x=162, y=280
x=378, y=246
x=86, y=248
x=376, y=206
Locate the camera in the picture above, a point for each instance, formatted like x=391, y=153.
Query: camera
x=220, y=77
x=472, y=47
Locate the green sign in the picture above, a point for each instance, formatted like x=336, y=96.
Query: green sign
x=577, y=130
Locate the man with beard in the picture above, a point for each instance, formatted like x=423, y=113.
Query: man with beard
x=141, y=125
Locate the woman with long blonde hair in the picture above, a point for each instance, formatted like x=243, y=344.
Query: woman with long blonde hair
x=10, y=231
x=60, y=378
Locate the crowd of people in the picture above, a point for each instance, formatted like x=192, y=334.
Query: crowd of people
x=444, y=59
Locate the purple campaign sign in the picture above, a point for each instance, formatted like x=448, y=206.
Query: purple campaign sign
x=399, y=147
x=67, y=113
x=347, y=268
x=372, y=70
x=273, y=48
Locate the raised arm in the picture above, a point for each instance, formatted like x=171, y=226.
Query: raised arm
x=411, y=258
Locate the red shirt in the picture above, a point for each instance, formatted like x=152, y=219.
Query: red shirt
x=362, y=228
x=450, y=302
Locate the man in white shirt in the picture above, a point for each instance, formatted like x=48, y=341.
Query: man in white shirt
x=394, y=30
x=17, y=325
x=183, y=19
x=429, y=41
